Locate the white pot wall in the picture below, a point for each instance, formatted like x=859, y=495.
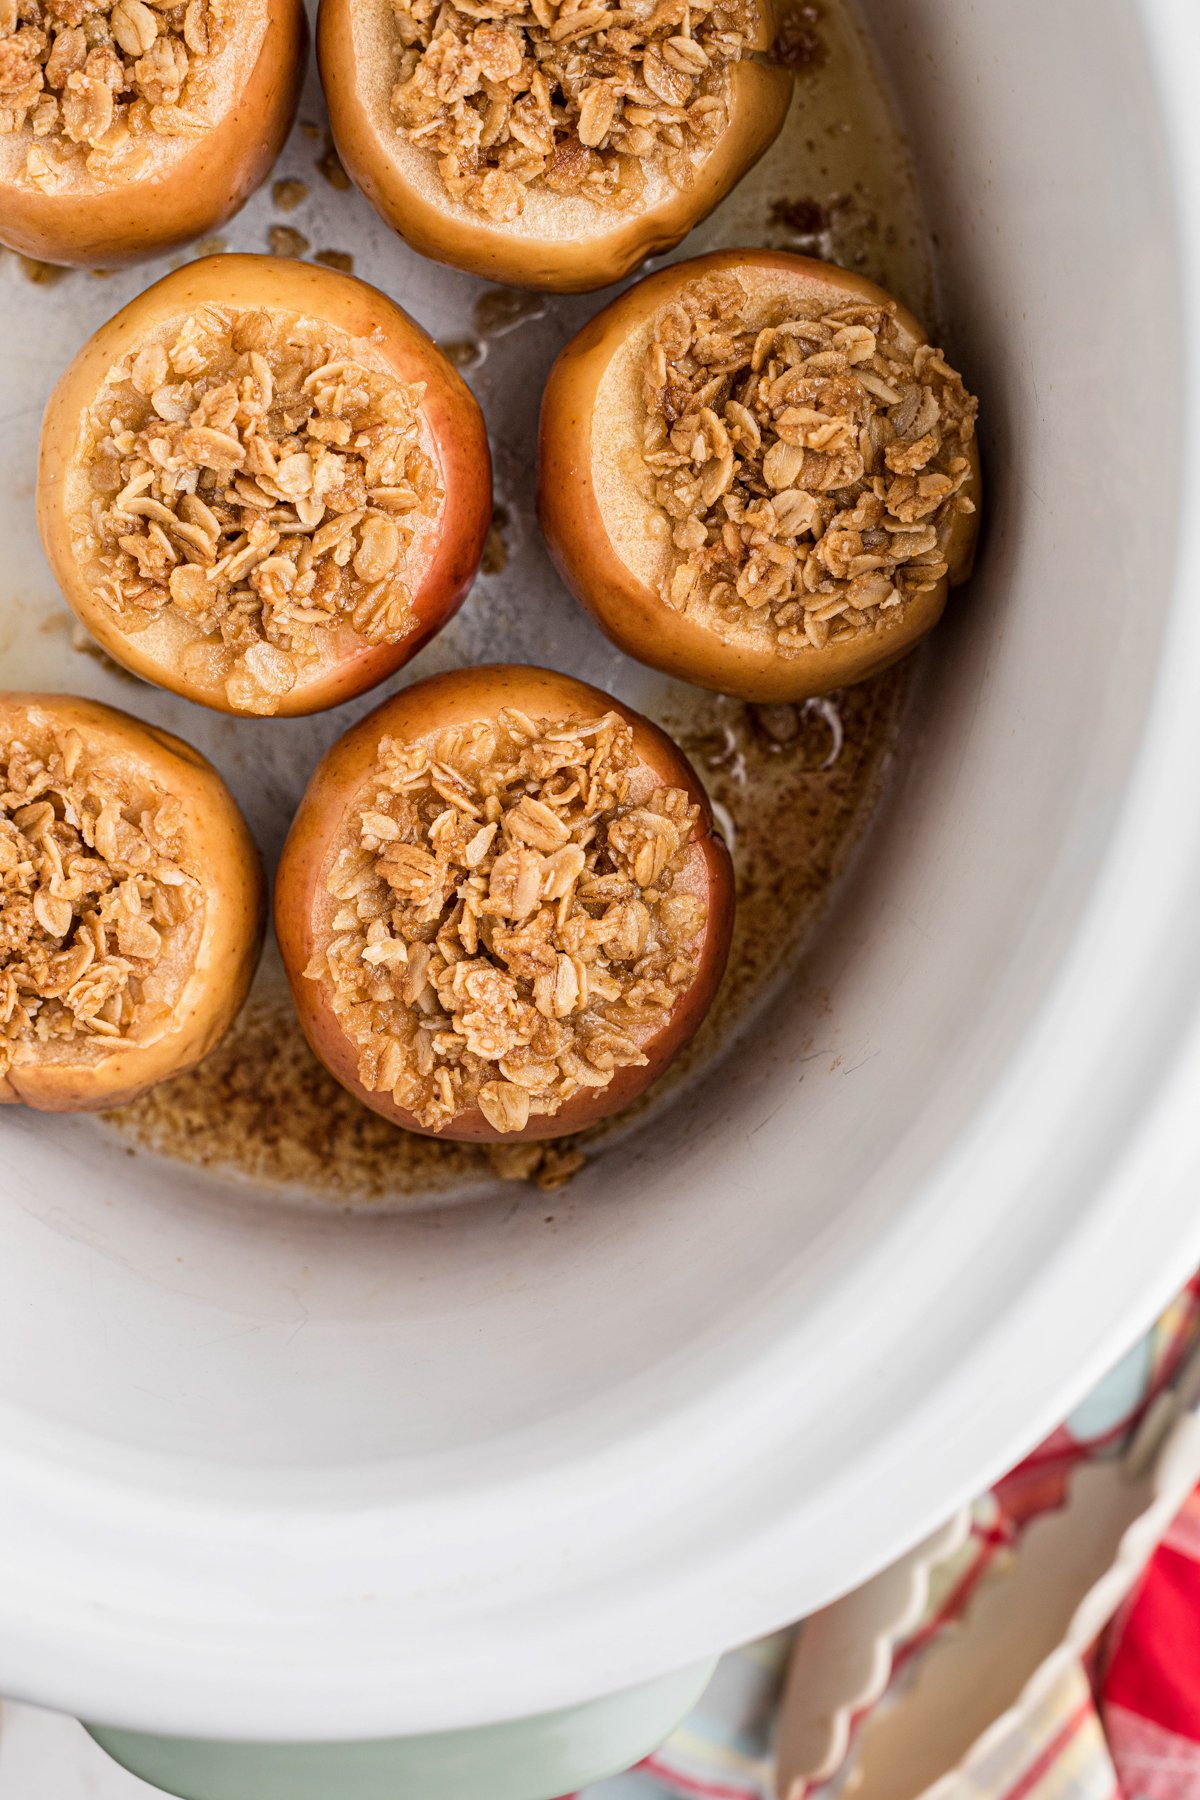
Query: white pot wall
x=300, y=1476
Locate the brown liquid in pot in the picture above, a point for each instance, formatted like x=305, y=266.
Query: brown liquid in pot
x=795, y=788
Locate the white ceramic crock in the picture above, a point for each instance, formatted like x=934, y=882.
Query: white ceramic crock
x=289, y=1476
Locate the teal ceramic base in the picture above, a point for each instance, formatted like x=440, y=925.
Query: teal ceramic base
x=527, y=1759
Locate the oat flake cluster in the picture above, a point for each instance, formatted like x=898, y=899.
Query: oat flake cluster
x=250, y=475
x=579, y=97
x=811, y=469
x=95, y=83
x=510, y=919
x=90, y=889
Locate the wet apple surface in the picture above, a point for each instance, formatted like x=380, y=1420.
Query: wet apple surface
x=757, y=475
x=550, y=146
x=262, y=486
x=502, y=906
x=126, y=129
x=132, y=904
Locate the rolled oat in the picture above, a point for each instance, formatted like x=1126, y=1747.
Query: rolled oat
x=93, y=893
x=577, y=97
x=252, y=475
x=510, y=924
x=94, y=82
x=811, y=467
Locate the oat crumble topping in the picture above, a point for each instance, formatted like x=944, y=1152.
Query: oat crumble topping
x=511, y=921
x=95, y=83
x=811, y=469
x=252, y=476
x=507, y=93
x=91, y=895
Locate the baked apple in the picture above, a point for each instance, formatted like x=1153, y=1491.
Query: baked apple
x=756, y=474
x=263, y=486
x=131, y=904
x=551, y=145
x=502, y=906
x=129, y=127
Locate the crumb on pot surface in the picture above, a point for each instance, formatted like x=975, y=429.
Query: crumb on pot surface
x=554, y=146
x=757, y=475
x=262, y=486
x=502, y=906
x=132, y=904
x=126, y=128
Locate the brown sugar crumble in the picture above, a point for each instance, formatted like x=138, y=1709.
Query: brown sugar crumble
x=548, y=1166
x=829, y=229
x=805, y=217
x=41, y=274
x=329, y=165
x=463, y=353
x=252, y=474
x=495, y=550
x=799, y=44
x=93, y=901
x=285, y=240
x=260, y=1107
x=92, y=83
x=811, y=468
x=289, y=193
x=511, y=924
x=577, y=96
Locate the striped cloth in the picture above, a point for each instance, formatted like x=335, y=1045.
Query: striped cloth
x=1149, y=1675
x=1127, y=1727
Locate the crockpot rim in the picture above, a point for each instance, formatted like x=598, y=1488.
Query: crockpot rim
x=58, y=1648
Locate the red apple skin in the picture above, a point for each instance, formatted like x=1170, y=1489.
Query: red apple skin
x=451, y=411
x=459, y=697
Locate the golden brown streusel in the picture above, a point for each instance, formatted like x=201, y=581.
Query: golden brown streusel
x=811, y=468
x=260, y=1106
x=577, y=96
x=95, y=82
x=289, y=193
x=511, y=923
x=92, y=893
x=548, y=1166
x=251, y=474
x=285, y=240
